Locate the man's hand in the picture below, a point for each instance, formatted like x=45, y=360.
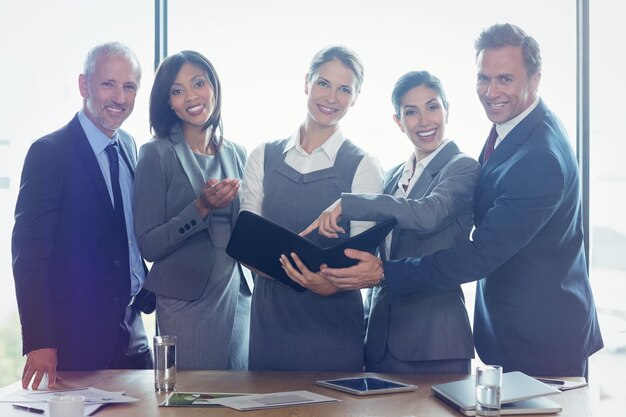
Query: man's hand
x=365, y=274
x=326, y=223
x=303, y=276
x=38, y=363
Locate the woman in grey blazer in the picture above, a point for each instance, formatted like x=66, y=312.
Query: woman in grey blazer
x=431, y=196
x=186, y=203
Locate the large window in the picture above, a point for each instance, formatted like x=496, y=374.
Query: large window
x=262, y=51
x=608, y=205
x=43, y=46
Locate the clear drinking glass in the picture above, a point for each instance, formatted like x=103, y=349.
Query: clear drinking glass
x=488, y=386
x=164, y=363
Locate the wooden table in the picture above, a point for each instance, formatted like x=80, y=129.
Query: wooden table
x=139, y=384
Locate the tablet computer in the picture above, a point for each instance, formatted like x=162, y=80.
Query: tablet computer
x=366, y=385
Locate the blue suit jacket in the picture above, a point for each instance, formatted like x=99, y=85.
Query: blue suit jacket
x=70, y=258
x=534, y=307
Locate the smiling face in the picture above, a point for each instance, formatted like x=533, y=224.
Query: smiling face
x=331, y=92
x=423, y=118
x=191, y=96
x=504, y=88
x=109, y=93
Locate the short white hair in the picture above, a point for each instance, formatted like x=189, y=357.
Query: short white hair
x=109, y=49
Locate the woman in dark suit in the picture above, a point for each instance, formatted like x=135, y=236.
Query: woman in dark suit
x=430, y=195
x=186, y=203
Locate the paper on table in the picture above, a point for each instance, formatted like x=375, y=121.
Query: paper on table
x=561, y=384
x=94, y=398
x=92, y=395
x=18, y=396
x=196, y=399
x=90, y=409
x=273, y=400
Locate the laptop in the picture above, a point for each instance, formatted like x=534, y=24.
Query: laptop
x=520, y=394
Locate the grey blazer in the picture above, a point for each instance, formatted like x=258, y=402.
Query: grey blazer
x=436, y=215
x=169, y=229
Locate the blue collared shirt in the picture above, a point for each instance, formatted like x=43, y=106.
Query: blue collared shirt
x=98, y=141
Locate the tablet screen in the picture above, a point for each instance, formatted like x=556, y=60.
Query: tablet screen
x=366, y=385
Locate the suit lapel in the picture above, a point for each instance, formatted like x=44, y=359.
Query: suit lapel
x=513, y=141
x=391, y=182
x=425, y=181
x=187, y=160
x=91, y=164
x=128, y=151
x=232, y=167
x=229, y=160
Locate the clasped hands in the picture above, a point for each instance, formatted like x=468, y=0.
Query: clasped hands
x=366, y=273
x=216, y=194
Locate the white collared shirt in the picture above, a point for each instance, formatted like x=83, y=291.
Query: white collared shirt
x=410, y=176
x=505, y=128
x=368, y=178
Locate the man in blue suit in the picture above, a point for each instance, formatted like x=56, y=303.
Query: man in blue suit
x=76, y=265
x=534, y=308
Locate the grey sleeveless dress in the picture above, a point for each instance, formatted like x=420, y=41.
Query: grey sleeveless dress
x=292, y=330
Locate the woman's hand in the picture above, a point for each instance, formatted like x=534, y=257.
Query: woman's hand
x=367, y=273
x=306, y=278
x=216, y=195
x=326, y=223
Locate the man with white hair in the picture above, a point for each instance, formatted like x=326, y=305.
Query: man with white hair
x=77, y=269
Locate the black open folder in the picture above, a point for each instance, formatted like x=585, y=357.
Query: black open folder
x=258, y=243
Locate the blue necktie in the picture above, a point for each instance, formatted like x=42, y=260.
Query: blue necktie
x=114, y=168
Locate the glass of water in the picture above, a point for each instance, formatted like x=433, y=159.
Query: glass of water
x=488, y=385
x=164, y=363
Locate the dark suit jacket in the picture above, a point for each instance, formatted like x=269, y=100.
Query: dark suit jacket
x=534, y=308
x=70, y=258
